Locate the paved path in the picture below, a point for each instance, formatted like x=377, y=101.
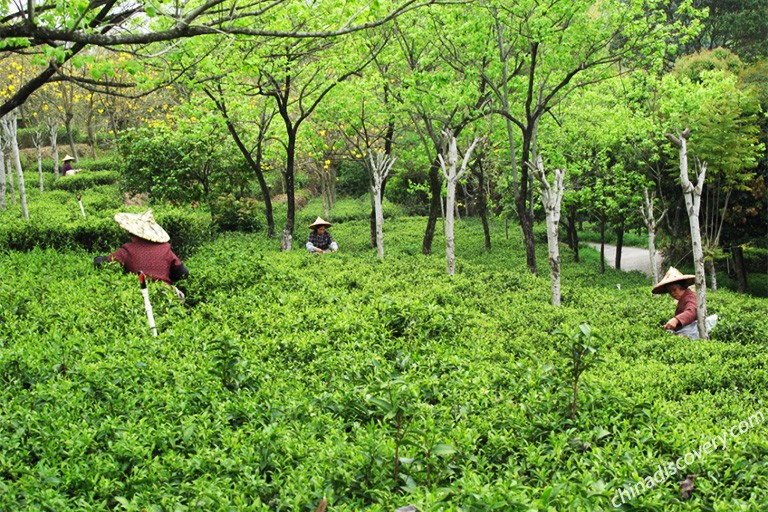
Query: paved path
x=632, y=258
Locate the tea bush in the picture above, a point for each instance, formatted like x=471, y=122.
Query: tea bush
x=287, y=377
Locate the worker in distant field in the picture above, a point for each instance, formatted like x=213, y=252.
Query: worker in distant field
x=148, y=250
x=320, y=240
x=66, y=167
x=684, y=323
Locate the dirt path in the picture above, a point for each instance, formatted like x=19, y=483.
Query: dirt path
x=632, y=258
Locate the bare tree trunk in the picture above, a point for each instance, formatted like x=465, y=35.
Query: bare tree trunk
x=37, y=138
x=709, y=264
x=650, y=223
x=286, y=241
x=53, y=133
x=435, y=205
x=3, y=185
x=692, y=196
x=739, y=268
x=452, y=176
x=9, y=179
x=379, y=168
x=619, y=245
x=551, y=199
x=10, y=130
x=70, y=135
x=602, y=244
x=573, y=233
x=482, y=202
x=328, y=187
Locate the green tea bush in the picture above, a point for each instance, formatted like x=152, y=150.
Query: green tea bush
x=85, y=180
x=48, y=227
x=237, y=214
x=286, y=377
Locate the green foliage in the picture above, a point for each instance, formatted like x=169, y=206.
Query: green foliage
x=353, y=179
x=26, y=136
x=287, y=377
x=233, y=214
x=581, y=348
x=346, y=209
x=180, y=166
x=86, y=180
x=57, y=222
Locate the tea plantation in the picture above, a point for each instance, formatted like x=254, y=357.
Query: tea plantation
x=286, y=378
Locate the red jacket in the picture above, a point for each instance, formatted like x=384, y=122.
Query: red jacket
x=152, y=258
x=686, y=309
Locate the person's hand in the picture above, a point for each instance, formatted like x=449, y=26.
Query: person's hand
x=319, y=250
x=671, y=325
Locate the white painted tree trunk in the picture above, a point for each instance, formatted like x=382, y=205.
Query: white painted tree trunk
x=286, y=241
x=3, y=184
x=650, y=223
x=9, y=179
x=378, y=168
x=10, y=130
x=551, y=199
x=452, y=177
x=37, y=139
x=692, y=196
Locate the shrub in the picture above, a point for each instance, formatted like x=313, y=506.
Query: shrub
x=232, y=214
x=353, y=179
x=101, y=233
x=85, y=180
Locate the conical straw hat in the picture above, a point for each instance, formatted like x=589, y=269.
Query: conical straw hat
x=319, y=222
x=68, y=158
x=142, y=225
x=673, y=276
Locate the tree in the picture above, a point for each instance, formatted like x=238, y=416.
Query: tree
x=296, y=77
x=379, y=168
x=452, y=176
x=10, y=126
x=725, y=132
x=692, y=195
x=433, y=106
x=255, y=161
x=545, y=51
x=649, y=217
x=54, y=33
x=739, y=25
x=551, y=199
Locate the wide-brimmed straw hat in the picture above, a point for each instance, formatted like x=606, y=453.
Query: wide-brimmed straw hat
x=68, y=157
x=673, y=276
x=142, y=225
x=319, y=222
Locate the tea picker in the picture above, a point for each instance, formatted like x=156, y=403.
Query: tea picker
x=80, y=202
x=147, y=304
x=147, y=254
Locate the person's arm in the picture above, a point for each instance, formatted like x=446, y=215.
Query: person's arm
x=334, y=247
x=179, y=271
x=688, y=315
x=119, y=255
x=311, y=247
